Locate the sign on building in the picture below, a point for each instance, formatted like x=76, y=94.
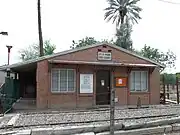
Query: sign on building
x=86, y=83
x=104, y=56
x=121, y=82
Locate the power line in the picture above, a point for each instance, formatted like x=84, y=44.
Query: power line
x=170, y=2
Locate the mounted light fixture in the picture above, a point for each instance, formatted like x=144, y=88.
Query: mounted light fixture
x=9, y=50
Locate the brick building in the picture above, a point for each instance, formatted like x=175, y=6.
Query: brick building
x=84, y=77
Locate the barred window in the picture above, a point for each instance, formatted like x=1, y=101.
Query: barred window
x=63, y=80
x=139, y=81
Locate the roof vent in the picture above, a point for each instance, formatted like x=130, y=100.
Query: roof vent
x=109, y=50
x=104, y=46
x=99, y=50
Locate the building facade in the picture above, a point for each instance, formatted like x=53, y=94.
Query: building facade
x=84, y=78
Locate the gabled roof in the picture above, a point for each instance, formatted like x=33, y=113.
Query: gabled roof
x=33, y=61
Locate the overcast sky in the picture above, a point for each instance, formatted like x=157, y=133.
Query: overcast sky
x=63, y=21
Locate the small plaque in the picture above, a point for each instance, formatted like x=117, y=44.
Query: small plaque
x=120, y=81
x=104, y=56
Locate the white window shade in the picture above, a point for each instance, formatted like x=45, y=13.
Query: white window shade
x=63, y=80
x=86, y=83
x=139, y=81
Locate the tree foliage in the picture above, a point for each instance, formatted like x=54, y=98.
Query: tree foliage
x=88, y=41
x=32, y=51
x=118, y=10
x=83, y=42
x=123, y=35
x=166, y=58
x=168, y=78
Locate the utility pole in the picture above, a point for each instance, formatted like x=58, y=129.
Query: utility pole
x=112, y=104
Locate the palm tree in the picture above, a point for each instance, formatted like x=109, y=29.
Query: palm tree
x=40, y=29
x=123, y=35
x=118, y=10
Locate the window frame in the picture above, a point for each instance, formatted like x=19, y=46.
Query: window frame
x=67, y=91
x=141, y=91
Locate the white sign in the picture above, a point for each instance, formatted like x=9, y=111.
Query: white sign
x=119, y=81
x=86, y=83
x=104, y=55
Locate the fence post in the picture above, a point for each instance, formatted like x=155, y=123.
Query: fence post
x=112, y=110
x=167, y=91
x=164, y=90
x=112, y=104
x=177, y=89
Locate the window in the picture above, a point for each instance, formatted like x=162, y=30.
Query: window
x=139, y=81
x=63, y=80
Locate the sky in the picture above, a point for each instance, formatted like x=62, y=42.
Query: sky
x=64, y=21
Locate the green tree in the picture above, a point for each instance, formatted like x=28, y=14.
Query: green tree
x=118, y=10
x=168, y=78
x=123, y=35
x=83, y=42
x=167, y=58
x=40, y=29
x=88, y=41
x=32, y=51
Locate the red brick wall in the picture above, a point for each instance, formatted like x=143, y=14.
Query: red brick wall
x=125, y=97
x=155, y=87
x=91, y=55
x=42, y=79
x=121, y=93
x=45, y=98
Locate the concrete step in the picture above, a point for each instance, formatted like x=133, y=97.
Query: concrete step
x=23, y=104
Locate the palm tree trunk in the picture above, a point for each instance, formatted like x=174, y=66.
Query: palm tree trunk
x=122, y=20
x=40, y=29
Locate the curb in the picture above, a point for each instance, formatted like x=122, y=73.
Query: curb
x=67, y=130
x=155, y=123
x=58, y=131
x=143, y=131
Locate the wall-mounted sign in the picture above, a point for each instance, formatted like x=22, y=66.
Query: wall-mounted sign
x=86, y=83
x=120, y=81
x=104, y=56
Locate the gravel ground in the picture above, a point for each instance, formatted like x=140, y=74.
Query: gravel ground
x=36, y=119
x=62, y=119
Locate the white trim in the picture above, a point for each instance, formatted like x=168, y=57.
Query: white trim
x=59, y=91
x=134, y=71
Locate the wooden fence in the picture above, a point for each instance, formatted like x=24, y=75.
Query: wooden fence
x=170, y=91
